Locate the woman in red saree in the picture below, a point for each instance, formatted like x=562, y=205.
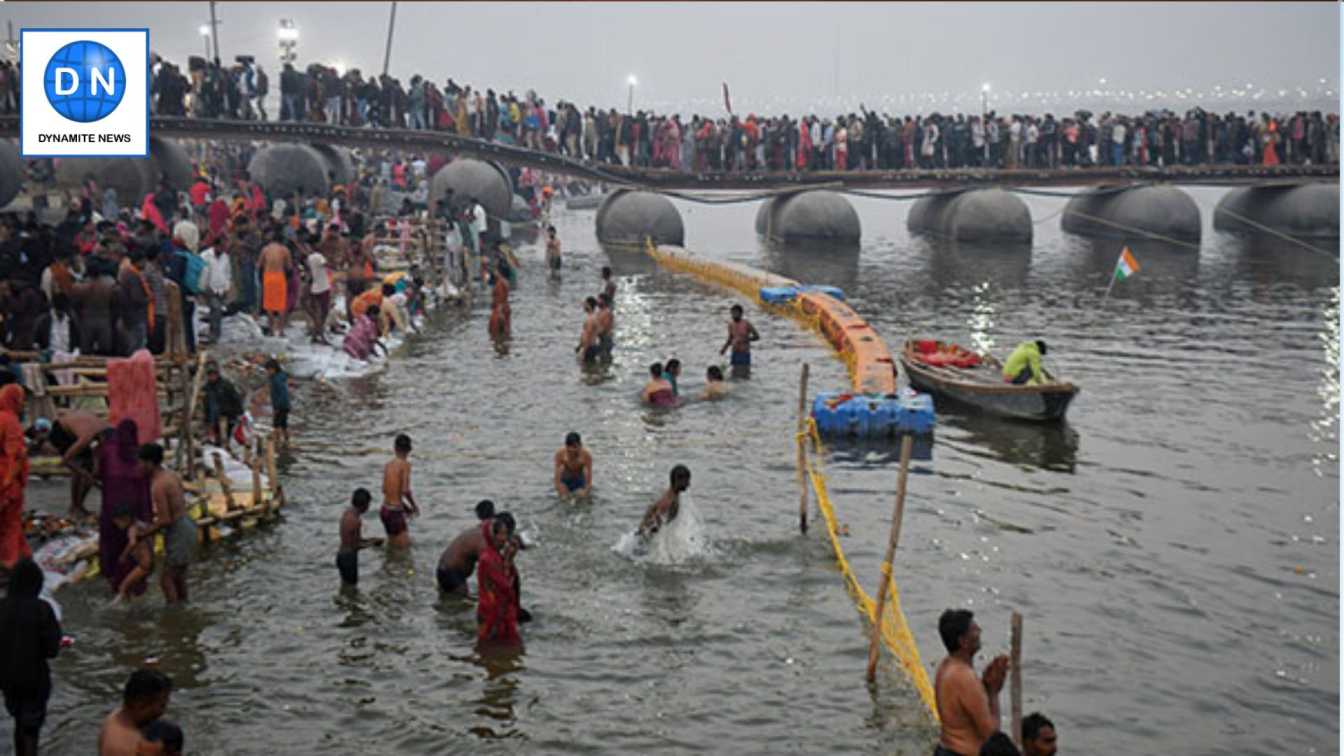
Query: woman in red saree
x=497, y=604
x=13, y=477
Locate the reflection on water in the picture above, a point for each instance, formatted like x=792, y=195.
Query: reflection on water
x=626, y=261
x=499, y=695
x=980, y=322
x=826, y=263
x=1325, y=429
x=952, y=264
x=1270, y=261
x=878, y=452
x=166, y=639
x=1049, y=446
x=351, y=602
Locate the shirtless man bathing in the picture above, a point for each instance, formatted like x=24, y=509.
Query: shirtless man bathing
x=665, y=509
x=352, y=537
x=573, y=468
x=170, y=516
x=458, y=561
x=74, y=434
x=740, y=335
x=589, y=349
x=968, y=707
x=398, y=501
x=143, y=700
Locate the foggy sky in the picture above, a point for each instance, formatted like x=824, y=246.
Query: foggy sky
x=776, y=57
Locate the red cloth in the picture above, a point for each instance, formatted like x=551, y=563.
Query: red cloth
x=131, y=394
x=199, y=191
x=13, y=477
x=151, y=213
x=804, y=145
x=497, y=605
x=219, y=217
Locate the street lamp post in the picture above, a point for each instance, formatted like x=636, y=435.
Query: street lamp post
x=391, y=24
x=984, y=100
x=205, y=38
x=288, y=34
x=630, y=100
x=214, y=29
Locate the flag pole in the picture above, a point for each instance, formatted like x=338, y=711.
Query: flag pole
x=1114, y=270
x=1109, y=286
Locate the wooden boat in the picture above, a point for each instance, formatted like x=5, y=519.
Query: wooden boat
x=977, y=381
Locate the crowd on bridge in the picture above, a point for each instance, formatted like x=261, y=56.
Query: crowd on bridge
x=865, y=140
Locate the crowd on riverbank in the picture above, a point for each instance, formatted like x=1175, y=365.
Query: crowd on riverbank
x=101, y=280
x=110, y=279
x=848, y=141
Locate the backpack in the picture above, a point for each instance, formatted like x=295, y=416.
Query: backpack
x=195, y=272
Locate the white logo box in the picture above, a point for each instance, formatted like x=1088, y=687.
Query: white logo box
x=131, y=117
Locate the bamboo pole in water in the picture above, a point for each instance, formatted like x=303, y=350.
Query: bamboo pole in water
x=802, y=458
x=255, y=464
x=907, y=447
x=188, y=438
x=270, y=469
x=1015, y=677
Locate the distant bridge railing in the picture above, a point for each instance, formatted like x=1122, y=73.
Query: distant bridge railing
x=664, y=178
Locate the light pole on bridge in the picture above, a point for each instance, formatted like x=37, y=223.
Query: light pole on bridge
x=214, y=29
x=288, y=34
x=205, y=38
x=391, y=24
x=630, y=100
x=984, y=101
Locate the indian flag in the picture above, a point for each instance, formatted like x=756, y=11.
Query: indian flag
x=1126, y=266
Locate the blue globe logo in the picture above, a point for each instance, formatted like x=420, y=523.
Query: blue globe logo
x=84, y=81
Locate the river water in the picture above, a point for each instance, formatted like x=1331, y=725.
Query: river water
x=1173, y=547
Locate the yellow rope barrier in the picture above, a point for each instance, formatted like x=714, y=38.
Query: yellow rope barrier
x=896, y=635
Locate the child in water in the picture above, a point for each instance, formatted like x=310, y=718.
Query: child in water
x=715, y=387
x=137, y=550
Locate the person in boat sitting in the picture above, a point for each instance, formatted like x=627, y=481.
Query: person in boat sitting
x=1023, y=366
